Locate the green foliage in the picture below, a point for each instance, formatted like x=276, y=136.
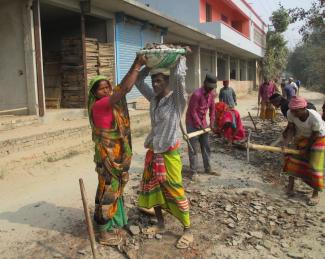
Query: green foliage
x=306, y=62
x=280, y=19
x=276, y=52
x=313, y=18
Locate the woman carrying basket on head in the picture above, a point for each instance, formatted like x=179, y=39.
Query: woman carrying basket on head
x=109, y=120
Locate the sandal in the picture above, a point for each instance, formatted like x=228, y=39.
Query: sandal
x=185, y=241
x=110, y=239
x=152, y=230
x=313, y=201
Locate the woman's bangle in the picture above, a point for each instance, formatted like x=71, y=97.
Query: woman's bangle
x=135, y=69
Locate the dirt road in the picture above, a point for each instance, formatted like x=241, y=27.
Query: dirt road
x=242, y=214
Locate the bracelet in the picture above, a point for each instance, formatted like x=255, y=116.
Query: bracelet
x=138, y=70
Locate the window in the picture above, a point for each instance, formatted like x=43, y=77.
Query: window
x=208, y=13
x=224, y=18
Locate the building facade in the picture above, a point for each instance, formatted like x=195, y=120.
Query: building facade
x=239, y=36
x=51, y=48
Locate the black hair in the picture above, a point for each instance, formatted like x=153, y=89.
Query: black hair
x=165, y=77
x=274, y=96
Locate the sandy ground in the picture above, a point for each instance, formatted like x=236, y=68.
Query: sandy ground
x=41, y=213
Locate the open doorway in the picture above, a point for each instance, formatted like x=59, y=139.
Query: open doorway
x=65, y=74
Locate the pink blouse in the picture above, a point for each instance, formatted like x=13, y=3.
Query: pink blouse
x=102, y=113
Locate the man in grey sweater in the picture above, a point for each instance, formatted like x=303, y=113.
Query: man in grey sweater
x=227, y=94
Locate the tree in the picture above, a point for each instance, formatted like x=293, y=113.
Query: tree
x=306, y=62
x=276, y=52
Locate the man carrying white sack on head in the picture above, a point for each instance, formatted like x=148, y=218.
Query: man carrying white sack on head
x=161, y=186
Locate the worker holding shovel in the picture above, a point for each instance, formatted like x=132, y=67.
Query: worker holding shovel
x=308, y=130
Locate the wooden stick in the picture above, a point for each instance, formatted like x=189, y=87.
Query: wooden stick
x=198, y=133
x=273, y=149
x=250, y=116
x=90, y=227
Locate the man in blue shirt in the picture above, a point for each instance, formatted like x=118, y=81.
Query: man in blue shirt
x=227, y=94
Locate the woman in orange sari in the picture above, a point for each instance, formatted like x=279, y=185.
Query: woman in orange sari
x=109, y=120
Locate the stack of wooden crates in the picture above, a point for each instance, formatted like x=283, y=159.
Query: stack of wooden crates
x=100, y=60
x=106, y=60
x=52, y=79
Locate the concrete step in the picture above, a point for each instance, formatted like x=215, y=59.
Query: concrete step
x=9, y=122
x=35, y=139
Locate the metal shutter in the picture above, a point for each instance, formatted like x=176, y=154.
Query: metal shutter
x=129, y=39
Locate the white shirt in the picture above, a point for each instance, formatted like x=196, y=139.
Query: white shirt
x=305, y=128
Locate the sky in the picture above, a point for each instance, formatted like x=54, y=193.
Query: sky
x=265, y=8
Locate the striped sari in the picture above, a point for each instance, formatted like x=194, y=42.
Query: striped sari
x=310, y=170
x=113, y=155
x=162, y=185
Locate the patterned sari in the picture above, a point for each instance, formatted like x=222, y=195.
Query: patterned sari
x=162, y=185
x=311, y=169
x=113, y=158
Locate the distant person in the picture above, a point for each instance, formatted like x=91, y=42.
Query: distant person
x=266, y=90
x=283, y=84
x=298, y=84
x=277, y=86
x=227, y=94
x=290, y=89
x=279, y=102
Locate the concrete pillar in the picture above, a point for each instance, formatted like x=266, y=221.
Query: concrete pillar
x=256, y=75
x=238, y=69
x=30, y=65
x=227, y=74
x=246, y=70
x=216, y=63
x=197, y=67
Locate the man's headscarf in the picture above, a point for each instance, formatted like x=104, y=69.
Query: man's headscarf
x=297, y=102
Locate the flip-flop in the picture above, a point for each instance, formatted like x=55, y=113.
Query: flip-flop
x=111, y=239
x=185, y=241
x=152, y=230
x=313, y=201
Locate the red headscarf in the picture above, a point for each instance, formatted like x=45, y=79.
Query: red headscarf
x=297, y=102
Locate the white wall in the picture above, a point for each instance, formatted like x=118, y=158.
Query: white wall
x=13, y=84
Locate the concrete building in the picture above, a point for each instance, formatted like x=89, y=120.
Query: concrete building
x=238, y=38
x=34, y=50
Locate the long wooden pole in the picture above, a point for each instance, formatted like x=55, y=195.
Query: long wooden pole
x=273, y=149
x=38, y=57
x=90, y=227
x=198, y=133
